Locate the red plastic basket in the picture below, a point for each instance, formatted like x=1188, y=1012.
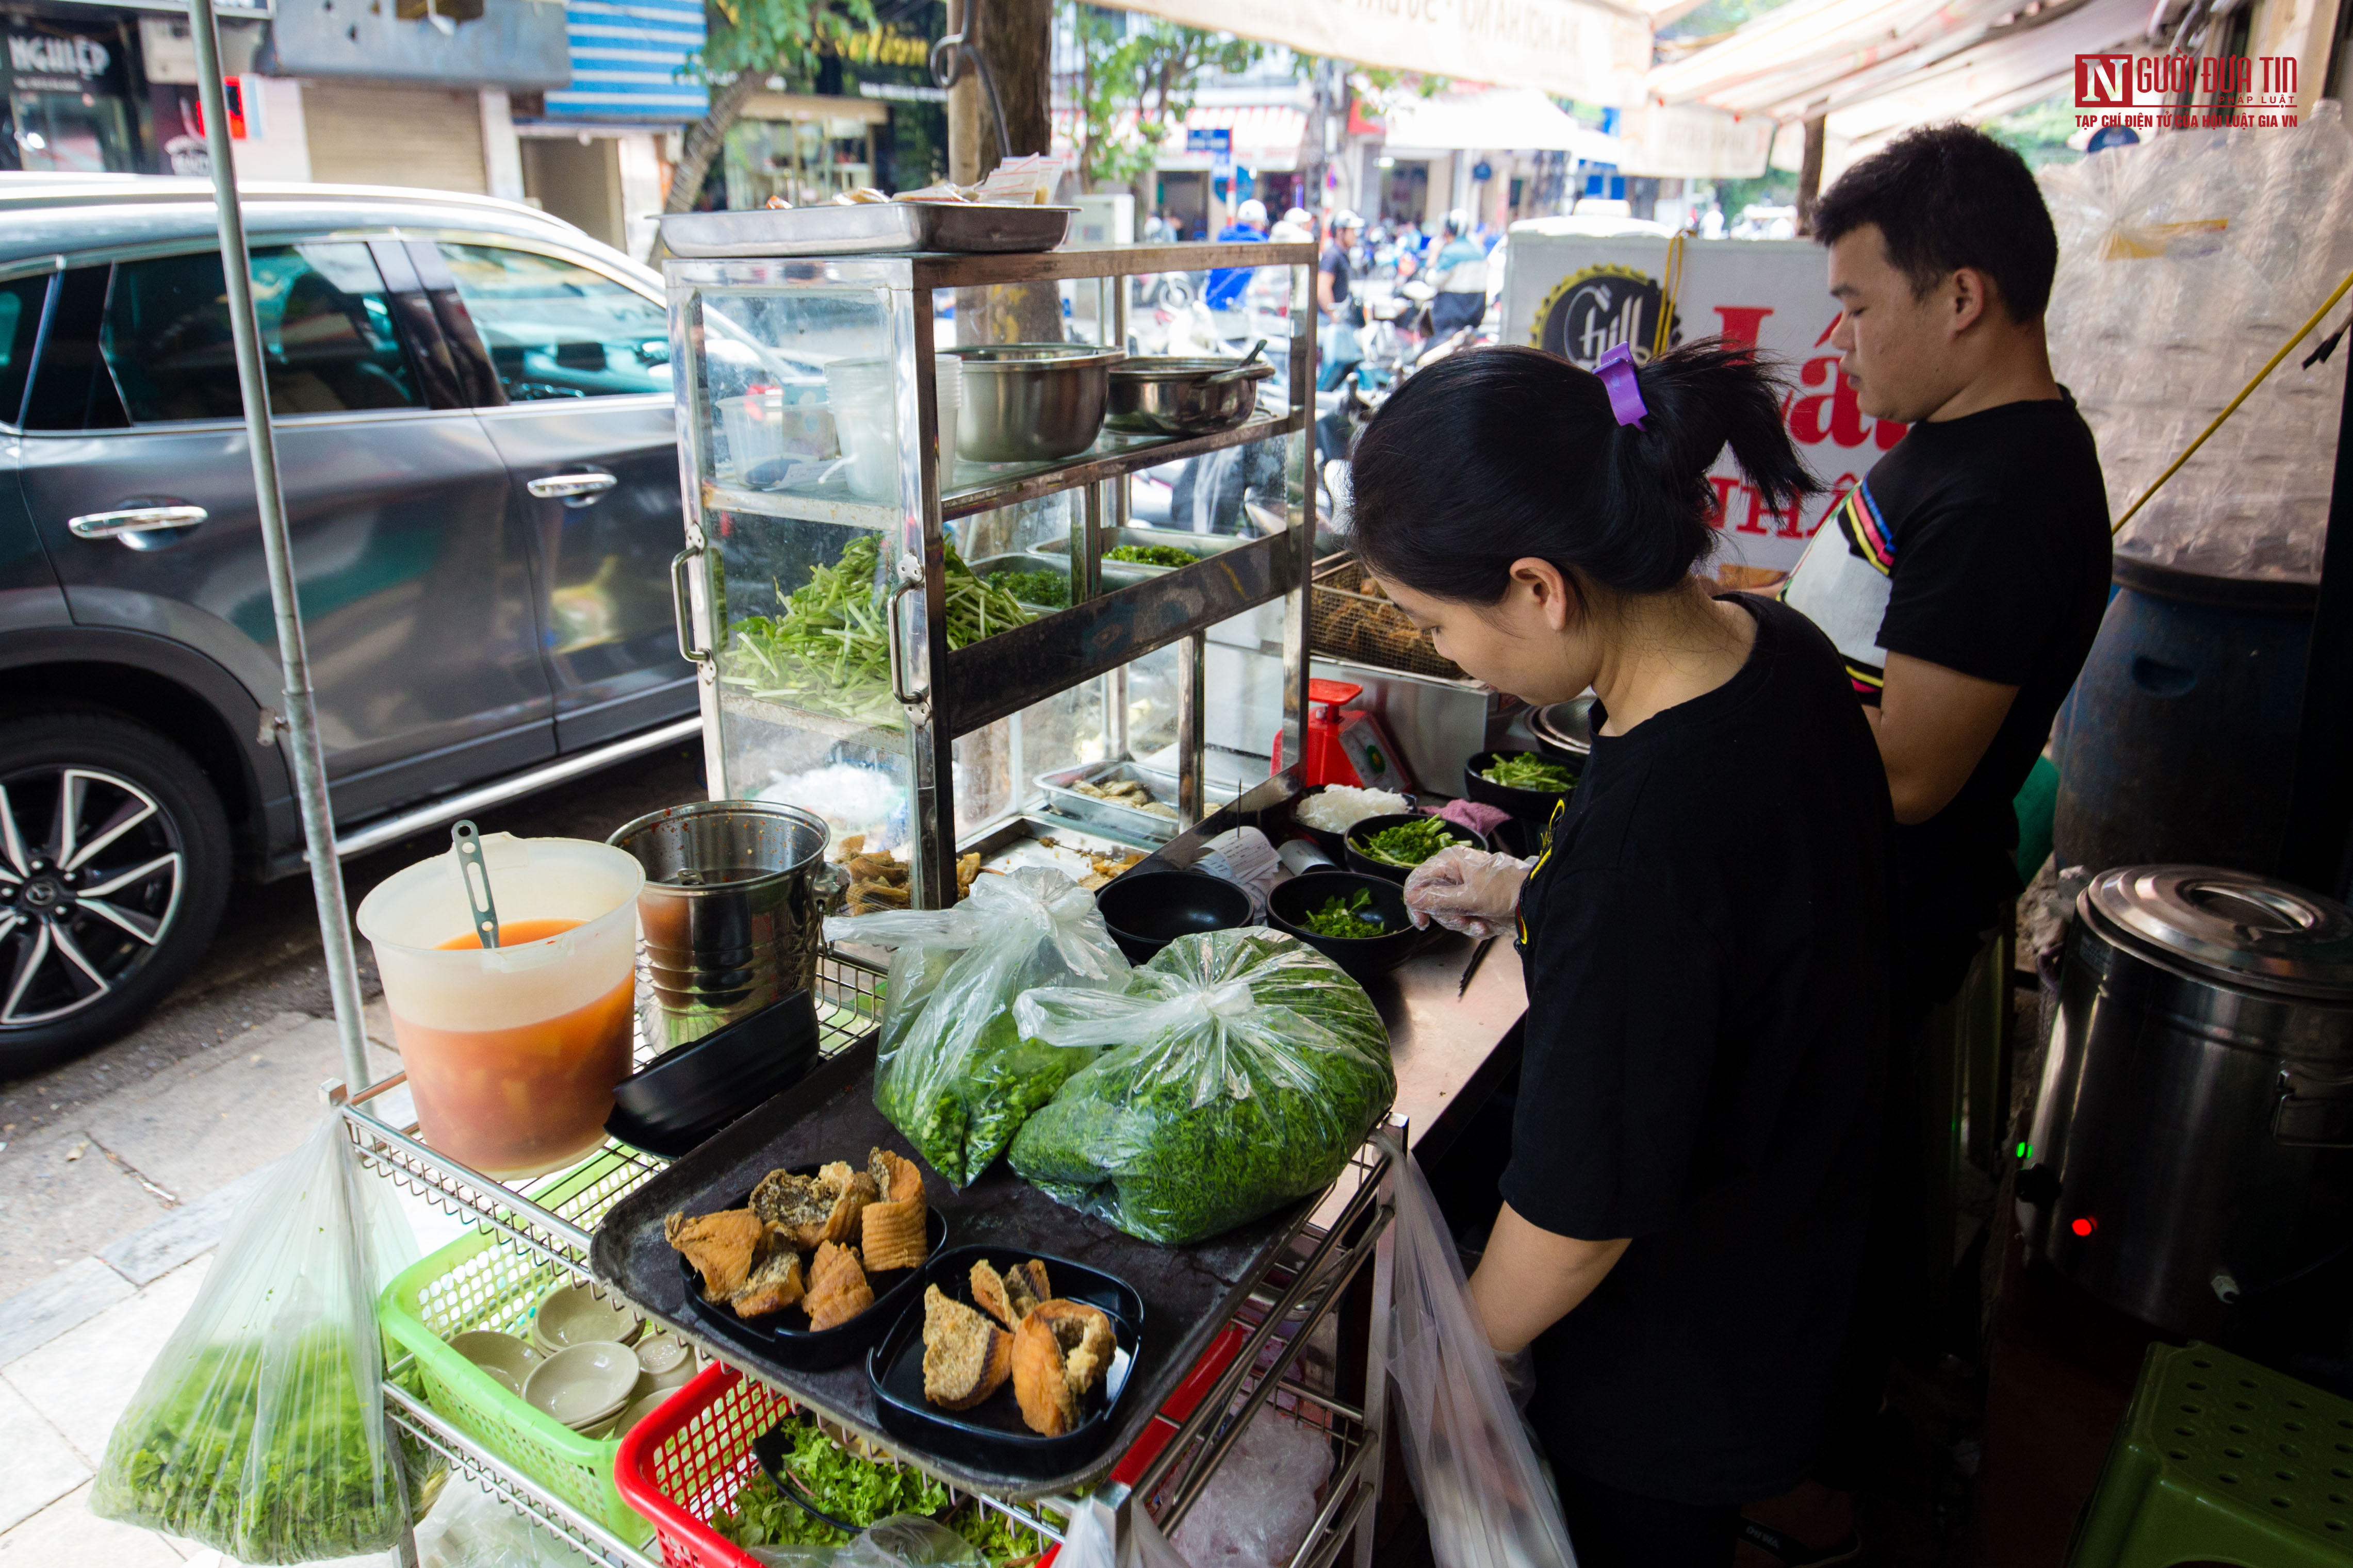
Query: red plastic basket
x=687, y=1461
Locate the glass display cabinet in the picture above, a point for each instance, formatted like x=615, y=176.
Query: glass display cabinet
x=919, y=648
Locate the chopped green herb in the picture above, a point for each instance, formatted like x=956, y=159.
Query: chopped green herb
x=1208, y=1113
x=1152, y=555
x=1408, y=843
x=1338, y=917
x=830, y=650
x=1525, y=769
x=1048, y=590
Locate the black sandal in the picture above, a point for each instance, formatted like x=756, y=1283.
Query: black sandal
x=1795, y=1553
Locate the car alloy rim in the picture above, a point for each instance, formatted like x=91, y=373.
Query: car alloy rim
x=90, y=874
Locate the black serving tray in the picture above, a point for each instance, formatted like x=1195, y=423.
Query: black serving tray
x=992, y=1433
x=1188, y=1292
x=815, y=1349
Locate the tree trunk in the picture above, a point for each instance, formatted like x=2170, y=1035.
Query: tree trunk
x=1017, y=40
x=1810, y=176
x=704, y=142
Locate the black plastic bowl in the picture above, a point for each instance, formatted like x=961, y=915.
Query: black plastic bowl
x=1534, y=805
x=1361, y=862
x=1288, y=907
x=677, y=1100
x=1146, y=911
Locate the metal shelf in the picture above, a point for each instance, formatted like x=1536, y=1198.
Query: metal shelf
x=468, y=1461
x=985, y=487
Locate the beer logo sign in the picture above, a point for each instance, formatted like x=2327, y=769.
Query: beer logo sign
x=1591, y=311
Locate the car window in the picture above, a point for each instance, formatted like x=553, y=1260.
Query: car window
x=328, y=343
x=555, y=330
x=20, y=323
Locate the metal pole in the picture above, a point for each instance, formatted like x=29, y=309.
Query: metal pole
x=301, y=719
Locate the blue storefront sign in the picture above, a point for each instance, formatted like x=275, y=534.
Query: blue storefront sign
x=625, y=56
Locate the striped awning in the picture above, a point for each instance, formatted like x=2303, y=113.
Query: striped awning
x=625, y=56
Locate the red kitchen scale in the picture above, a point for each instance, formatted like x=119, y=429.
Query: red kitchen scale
x=1346, y=746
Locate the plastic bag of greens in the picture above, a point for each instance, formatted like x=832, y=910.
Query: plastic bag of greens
x=259, y=1429
x=1246, y=1069
x=952, y=1073
x=1482, y=1486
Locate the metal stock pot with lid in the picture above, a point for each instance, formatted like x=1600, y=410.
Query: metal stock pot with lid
x=2191, y=1160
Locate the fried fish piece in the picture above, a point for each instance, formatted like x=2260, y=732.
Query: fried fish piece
x=892, y=1235
x=1013, y=1295
x=837, y=1291
x=966, y=1358
x=796, y=1205
x=773, y=1286
x=853, y=1190
x=896, y=1175
x=1059, y=1353
x=724, y=1247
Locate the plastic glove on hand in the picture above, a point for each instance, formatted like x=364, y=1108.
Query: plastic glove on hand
x=1466, y=889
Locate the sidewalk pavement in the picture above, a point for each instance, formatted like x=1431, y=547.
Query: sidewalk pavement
x=107, y=1227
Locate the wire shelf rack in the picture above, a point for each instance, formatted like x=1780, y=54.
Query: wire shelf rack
x=556, y=1216
x=1305, y=1281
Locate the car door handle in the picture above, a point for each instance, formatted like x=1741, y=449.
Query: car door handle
x=561, y=487
x=135, y=520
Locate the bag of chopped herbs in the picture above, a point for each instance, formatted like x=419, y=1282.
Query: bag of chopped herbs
x=951, y=1072
x=1244, y=1069
x=259, y=1429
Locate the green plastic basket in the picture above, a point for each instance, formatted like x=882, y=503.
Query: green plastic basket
x=482, y=1282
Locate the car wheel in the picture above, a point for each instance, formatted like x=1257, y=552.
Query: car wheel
x=114, y=868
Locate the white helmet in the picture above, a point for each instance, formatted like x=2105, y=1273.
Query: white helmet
x=1458, y=222
x=1298, y=215
x=1251, y=211
x=1344, y=218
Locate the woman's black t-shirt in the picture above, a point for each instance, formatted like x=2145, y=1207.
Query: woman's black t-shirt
x=1705, y=946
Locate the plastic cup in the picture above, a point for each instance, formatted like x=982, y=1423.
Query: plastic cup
x=512, y=1053
x=866, y=418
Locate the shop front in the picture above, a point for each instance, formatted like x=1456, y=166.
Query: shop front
x=70, y=108
x=803, y=147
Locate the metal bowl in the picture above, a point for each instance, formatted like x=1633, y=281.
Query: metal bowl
x=1180, y=396
x=1031, y=403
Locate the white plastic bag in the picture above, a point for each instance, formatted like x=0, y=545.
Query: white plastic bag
x=471, y=1529
x=1086, y=1543
x=1473, y=1467
x=1258, y=1508
x=952, y=1072
x=259, y=1429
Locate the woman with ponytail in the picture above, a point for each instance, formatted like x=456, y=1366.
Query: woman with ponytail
x=1702, y=933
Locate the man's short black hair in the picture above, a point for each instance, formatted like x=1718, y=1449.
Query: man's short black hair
x=1946, y=197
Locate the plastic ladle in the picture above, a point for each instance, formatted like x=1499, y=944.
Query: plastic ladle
x=467, y=840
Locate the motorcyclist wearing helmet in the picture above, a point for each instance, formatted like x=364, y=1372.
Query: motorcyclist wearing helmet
x=1228, y=284
x=1334, y=270
x=1458, y=274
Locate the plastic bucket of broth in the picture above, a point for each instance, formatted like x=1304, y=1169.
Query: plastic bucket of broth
x=512, y=1052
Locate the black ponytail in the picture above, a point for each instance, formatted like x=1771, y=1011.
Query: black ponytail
x=1502, y=453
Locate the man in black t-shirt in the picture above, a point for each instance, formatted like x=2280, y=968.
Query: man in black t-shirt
x=1962, y=580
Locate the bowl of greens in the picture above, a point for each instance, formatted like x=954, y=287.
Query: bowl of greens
x=1526, y=783
x=1392, y=846
x=1359, y=922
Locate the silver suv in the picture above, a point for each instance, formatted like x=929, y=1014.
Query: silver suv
x=475, y=436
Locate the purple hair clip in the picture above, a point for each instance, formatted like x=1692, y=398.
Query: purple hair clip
x=1616, y=373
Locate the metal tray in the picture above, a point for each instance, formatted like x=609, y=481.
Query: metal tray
x=868, y=229
x=1189, y=1293
x=1119, y=574
x=1065, y=800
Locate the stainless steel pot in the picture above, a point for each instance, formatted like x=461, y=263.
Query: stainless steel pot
x=728, y=919
x=1031, y=403
x=1184, y=397
x=2191, y=1151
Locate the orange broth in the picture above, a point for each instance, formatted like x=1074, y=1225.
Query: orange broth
x=530, y=1098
